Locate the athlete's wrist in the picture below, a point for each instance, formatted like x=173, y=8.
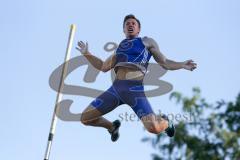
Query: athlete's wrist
x=182, y=65
x=86, y=53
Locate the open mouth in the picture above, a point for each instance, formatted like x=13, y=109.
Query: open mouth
x=130, y=30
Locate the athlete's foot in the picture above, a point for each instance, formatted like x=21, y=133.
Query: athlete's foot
x=170, y=130
x=114, y=132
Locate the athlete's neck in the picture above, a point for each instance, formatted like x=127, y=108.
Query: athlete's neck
x=131, y=37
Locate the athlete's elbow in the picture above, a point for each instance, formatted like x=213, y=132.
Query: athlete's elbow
x=104, y=69
x=164, y=65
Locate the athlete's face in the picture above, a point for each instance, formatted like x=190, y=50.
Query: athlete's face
x=131, y=28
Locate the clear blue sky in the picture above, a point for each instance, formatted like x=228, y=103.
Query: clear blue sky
x=33, y=37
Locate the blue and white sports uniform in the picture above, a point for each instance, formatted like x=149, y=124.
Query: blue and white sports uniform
x=131, y=53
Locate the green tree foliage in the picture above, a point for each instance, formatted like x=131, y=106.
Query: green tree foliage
x=214, y=133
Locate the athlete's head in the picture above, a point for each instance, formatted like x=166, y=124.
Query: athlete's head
x=131, y=26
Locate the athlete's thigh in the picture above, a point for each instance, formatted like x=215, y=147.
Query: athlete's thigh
x=90, y=113
x=135, y=97
x=142, y=107
x=103, y=104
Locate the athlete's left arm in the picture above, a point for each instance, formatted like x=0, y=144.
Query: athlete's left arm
x=168, y=64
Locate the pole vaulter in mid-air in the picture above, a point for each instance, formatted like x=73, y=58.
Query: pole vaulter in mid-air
x=129, y=61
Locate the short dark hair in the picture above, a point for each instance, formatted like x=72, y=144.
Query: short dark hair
x=132, y=17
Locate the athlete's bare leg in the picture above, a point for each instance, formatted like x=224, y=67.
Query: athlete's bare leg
x=154, y=123
x=93, y=117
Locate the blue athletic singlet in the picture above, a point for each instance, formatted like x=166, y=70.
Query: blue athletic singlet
x=132, y=53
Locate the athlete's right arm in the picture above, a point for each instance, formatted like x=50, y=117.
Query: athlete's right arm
x=97, y=63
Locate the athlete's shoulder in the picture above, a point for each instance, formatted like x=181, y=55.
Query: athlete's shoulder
x=145, y=38
x=148, y=41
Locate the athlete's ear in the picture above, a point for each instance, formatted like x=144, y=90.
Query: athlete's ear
x=123, y=29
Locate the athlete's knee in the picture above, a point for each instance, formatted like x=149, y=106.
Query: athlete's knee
x=154, y=128
x=89, y=116
x=86, y=120
x=83, y=120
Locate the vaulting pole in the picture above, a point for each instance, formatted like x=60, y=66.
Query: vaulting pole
x=59, y=94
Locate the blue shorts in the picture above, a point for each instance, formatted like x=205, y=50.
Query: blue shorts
x=129, y=92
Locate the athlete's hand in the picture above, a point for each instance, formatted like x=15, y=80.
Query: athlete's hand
x=189, y=65
x=82, y=47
